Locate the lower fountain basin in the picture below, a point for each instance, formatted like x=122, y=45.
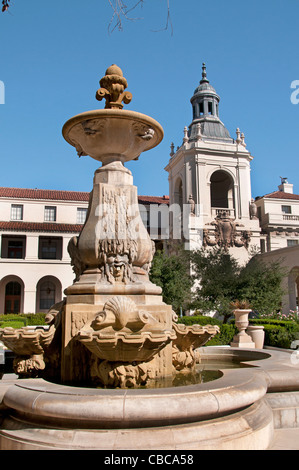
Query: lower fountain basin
x=49, y=404
x=122, y=408
x=226, y=413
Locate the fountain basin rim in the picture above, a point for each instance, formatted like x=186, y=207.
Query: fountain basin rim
x=48, y=403
x=252, y=356
x=77, y=407
x=116, y=114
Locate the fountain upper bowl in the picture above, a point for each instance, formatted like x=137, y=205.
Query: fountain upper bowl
x=109, y=135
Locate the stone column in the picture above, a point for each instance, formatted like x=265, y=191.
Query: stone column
x=32, y=247
x=29, y=299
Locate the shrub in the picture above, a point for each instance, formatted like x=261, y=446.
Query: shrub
x=227, y=332
x=273, y=321
x=12, y=318
x=199, y=320
x=279, y=336
x=12, y=324
x=276, y=336
x=35, y=318
x=22, y=319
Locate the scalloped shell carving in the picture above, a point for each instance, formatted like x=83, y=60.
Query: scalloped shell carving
x=122, y=308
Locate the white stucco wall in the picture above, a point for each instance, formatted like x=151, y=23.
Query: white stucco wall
x=289, y=260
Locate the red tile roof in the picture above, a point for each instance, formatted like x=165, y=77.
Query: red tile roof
x=282, y=195
x=22, y=193
x=18, y=226
x=153, y=199
x=57, y=195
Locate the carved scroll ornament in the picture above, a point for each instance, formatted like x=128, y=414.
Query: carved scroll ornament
x=226, y=233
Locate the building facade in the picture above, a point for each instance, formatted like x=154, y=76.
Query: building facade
x=35, y=229
x=278, y=213
x=288, y=258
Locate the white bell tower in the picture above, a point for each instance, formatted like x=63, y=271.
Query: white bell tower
x=209, y=179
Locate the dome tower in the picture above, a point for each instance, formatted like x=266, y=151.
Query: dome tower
x=209, y=181
x=205, y=106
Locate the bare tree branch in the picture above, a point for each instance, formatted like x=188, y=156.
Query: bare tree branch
x=168, y=20
x=5, y=5
x=120, y=12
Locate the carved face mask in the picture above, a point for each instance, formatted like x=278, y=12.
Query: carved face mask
x=117, y=264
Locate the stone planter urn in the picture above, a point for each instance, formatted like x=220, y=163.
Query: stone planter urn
x=257, y=334
x=242, y=339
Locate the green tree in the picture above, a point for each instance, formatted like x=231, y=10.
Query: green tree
x=261, y=284
x=221, y=280
x=217, y=274
x=172, y=273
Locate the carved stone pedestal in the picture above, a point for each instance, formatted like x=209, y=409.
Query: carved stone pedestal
x=113, y=331
x=114, y=319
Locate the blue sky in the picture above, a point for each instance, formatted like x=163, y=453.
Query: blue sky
x=53, y=55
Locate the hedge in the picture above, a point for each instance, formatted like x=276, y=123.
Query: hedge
x=289, y=324
x=23, y=319
x=227, y=332
x=278, y=333
x=199, y=320
x=12, y=324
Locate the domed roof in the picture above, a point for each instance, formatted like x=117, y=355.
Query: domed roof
x=215, y=130
x=205, y=103
x=204, y=85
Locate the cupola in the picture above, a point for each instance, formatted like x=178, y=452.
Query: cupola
x=205, y=108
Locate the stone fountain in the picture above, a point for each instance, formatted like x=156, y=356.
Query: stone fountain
x=92, y=379
x=112, y=329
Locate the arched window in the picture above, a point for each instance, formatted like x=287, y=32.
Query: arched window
x=222, y=191
x=13, y=291
x=47, y=295
x=194, y=112
x=178, y=193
